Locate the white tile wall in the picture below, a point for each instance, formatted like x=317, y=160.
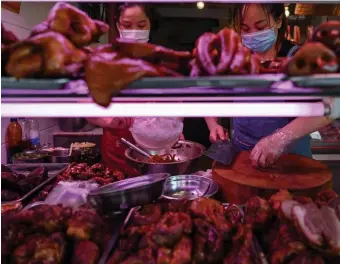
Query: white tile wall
x=31, y=13
x=46, y=126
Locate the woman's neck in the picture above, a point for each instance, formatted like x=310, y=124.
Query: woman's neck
x=269, y=54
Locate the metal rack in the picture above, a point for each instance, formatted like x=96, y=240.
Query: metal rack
x=228, y=96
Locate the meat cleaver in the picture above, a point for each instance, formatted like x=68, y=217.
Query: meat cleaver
x=222, y=151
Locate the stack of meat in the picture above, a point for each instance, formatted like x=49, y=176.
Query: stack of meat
x=14, y=186
x=295, y=229
x=58, y=47
x=52, y=234
x=82, y=172
x=201, y=231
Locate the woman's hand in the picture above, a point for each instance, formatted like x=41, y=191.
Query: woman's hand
x=216, y=130
x=269, y=149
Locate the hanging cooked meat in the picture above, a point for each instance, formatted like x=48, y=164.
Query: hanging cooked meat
x=45, y=55
x=223, y=53
x=106, y=74
x=72, y=23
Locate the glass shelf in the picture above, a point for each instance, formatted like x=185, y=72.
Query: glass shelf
x=229, y=96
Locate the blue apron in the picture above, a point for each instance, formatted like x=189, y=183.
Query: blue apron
x=249, y=131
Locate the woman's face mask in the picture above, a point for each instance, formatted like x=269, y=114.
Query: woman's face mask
x=260, y=41
x=137, y=35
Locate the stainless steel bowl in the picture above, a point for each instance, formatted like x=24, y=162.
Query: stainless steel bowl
x=125, y=194
x=189, y=187
x=185, y=151
x=60, y=155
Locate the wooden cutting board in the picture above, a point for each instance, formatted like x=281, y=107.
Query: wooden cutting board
x=300, y=175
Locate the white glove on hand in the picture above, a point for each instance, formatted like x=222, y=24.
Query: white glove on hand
x=269, y=149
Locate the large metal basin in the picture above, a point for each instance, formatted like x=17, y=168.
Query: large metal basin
x=187, y=152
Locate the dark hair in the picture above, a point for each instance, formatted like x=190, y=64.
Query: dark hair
x=277, y=11
x=147, y=9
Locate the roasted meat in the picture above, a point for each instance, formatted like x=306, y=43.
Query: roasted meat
x=73, y=23
x=286, y=209
x=85, y=252
x=164, y=256
x=257, y=212
x=39, y=236
x=106, y=74
x=97, y=172
x=213, y=212
x=234, y=214
x=44, y=218
x=223, y=53
x=169, y=230
x=307, y=257
x=276, y=199
x=286, y=245
x=320, y=227
x=328, y=33
x=182, y=251
x=312, y=58
x=41, y=248
x=7, y=195
x=303, y=199
x=85, y=224
x=241, y=251
x=45, y=55
x=149, y=214
x=187, y=232
x=33, y=179
x=324, y=197
x=154, y=54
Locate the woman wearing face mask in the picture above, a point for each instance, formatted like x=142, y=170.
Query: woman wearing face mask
x=134, y=22
x=262, y=28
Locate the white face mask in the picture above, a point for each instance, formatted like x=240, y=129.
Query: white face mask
x=141, y=36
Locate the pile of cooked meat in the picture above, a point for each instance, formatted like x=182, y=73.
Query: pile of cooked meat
x=59, y=47
x=295, y=229
x=98, y=173
x=180, y=232
x=15, y=185
x=52, y=234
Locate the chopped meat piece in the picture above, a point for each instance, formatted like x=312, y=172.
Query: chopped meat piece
x=257, y=212
x=324, y=197
x=85, y=252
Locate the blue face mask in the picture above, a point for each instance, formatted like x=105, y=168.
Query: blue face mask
x=260, y=41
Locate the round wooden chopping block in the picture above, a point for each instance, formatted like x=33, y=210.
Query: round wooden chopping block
x=296, y=173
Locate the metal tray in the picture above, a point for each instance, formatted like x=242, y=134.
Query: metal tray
x=317, y=81
x=33, y=84
x=53, y=171
x=234, y=81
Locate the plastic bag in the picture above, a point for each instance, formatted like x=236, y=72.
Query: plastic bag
x=156, y=133
x=73, y=194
